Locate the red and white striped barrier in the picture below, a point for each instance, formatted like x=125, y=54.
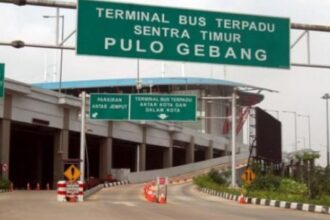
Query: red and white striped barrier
x=61, y=191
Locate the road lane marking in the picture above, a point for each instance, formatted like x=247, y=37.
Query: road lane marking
x=130, y=204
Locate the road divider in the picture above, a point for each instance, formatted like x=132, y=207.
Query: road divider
x=269, y=202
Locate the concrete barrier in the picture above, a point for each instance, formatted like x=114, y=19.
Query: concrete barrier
x=93, y=190
x=144, y=176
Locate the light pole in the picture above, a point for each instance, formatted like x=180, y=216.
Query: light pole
x=58, y=44
x=295, y=127
x=309, y=129
x=327, y=97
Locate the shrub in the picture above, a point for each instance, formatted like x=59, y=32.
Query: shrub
x=289, y=186
x=219, y=178
x=4, y=183
x=320, y=182
x=268, y=182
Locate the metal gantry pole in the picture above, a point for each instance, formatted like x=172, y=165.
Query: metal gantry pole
x=233, y=140
x=61, y=57
x=138, y=158
x=57, y=29
x=233, y=130
x=82, y=135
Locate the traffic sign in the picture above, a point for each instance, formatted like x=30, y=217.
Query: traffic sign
x=143, y=107
x=109, y=106
x=138, y=31
x=72, y=173
x=248, y=176
x=163, y=107
x=72, y=188
x=2, y=80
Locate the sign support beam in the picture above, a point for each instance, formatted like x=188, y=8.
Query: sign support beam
x=233, y=139
x=82, y=135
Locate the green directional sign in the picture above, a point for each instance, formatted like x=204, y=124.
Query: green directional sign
x=109, y=106
x=2, y=80
x=143, y=107
x=163, y=107
x=106, y=28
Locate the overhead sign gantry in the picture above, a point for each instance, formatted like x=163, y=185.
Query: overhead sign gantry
x=149, y=32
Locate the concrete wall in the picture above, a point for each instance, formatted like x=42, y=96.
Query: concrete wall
x=158, y=137
x=127, y=131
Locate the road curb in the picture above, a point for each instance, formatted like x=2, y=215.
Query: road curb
x=4, y=190
x=273, y=203
x=112, y=184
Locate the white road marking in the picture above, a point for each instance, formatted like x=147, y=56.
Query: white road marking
x=183, y=198
x=130, y=204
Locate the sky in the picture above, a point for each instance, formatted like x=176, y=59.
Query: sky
x=299, y=89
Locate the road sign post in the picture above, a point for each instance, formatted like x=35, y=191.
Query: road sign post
x=143, y=107
x=138, y=31
x=162, y=183
x=2, y=80
x=82, y=136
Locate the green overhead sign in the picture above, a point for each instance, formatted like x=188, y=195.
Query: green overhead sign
x=129, y=30
x=2, y=80
x=109, y=106
x=143, y=107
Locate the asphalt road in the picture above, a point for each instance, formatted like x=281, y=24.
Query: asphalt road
x=127, y=202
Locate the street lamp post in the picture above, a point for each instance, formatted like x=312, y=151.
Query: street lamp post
x=58, y=44
x=309, y=129
x=326, y=97
x=295, y=127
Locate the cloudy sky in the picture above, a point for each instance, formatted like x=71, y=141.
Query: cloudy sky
x=300, y=89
